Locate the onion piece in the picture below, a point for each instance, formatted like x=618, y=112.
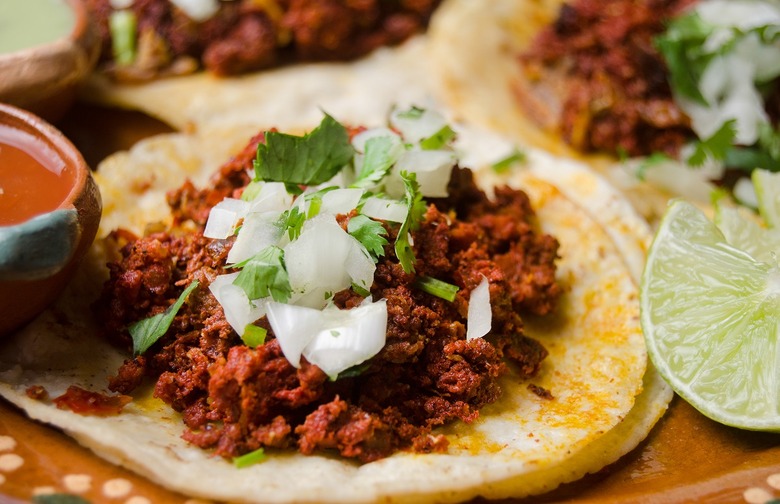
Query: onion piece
x=348, y=337
x=341, y=201
x=359, y=140
x=223, y=218
x=331, y=339
x=384, y=209
x=480, y=314
x=258, y=232
x=324, y=260
x=197, y=10
x=239, y=310
x=432, y=167
x=417, y=124
x=272, y=197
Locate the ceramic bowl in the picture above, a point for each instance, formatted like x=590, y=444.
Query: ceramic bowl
x=44, y=78
x=40, y=249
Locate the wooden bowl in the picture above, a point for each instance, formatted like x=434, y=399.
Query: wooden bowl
x=50, y=209
x=43, y=78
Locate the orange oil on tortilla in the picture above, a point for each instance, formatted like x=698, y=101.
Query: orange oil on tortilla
x=33, y=178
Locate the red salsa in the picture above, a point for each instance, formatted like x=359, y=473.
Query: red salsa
x=33, y=177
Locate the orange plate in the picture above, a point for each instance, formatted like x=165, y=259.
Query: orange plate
x=686, y=458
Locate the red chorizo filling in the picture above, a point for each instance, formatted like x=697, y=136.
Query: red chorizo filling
x=616, y=96
x=236, y=399
x=151, y=38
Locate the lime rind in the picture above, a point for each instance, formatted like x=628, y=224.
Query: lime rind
x=710, y=314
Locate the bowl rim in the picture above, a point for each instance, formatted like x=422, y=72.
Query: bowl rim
x=46, y=132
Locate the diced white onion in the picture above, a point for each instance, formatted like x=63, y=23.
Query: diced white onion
x=416, y=128
x=323, y=260
x=223, y=218
x=745, y=192
x=480, y=314
x=384, y=209
x=294, y=327
x=332, y=339
x=348, y=337
x=272, y=197
x=359, y=140
x=239, y=310
x=121, y=4
x=258, y=232
x=340, y=201
x=432, y=168
x=197, y=10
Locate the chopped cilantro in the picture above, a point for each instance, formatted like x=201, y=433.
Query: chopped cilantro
x=503, y=165
x=414, y=216
x=716, y=146
x=353, y=371
x=436, y=287
x=264, y=275
x=291, y=221
x=253, y=336
x=305, y=160
x=361, y=290
x=370, y=234
x=377, y=161
x=123, y=27
x=439, y=139
x=682, y=46
x=147, y=331
x=249, y=459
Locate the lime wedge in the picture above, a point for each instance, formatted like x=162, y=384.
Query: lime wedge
x=742, y=229
x=710, y=313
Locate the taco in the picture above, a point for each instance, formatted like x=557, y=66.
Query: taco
x=573, y=395
x=655, y=86
x=143, y=40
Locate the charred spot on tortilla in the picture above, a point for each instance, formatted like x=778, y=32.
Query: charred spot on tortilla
x=607, y=80
x=431, y=369
x=147, y=39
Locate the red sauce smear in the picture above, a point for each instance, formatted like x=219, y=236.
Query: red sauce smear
x=33, y=178
x=85, y=402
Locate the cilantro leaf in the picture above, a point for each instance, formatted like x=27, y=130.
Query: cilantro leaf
x=146, y=332
x=310, y=159
x=377, y=162
x=414, y=216
x=369, y=233
x=682, y=46
x=291, y=221
x=264, y=275
x=716, y=146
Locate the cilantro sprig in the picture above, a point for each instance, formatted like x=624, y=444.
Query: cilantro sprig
x=305, y=160
x=264, y=275
x=146, y=332
x=414, y=216
x=370, y=233
x=377, y=161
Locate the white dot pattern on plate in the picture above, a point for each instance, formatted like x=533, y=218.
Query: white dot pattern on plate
x=77, y=483
x=116, y=488
x=10, y=462
x=755, y=495
x=44, y=490
x=7, y=443
x=773, y=480
x=137, y=499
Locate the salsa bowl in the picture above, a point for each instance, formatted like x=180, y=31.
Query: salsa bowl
x=47, y=48
x=50, y=208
